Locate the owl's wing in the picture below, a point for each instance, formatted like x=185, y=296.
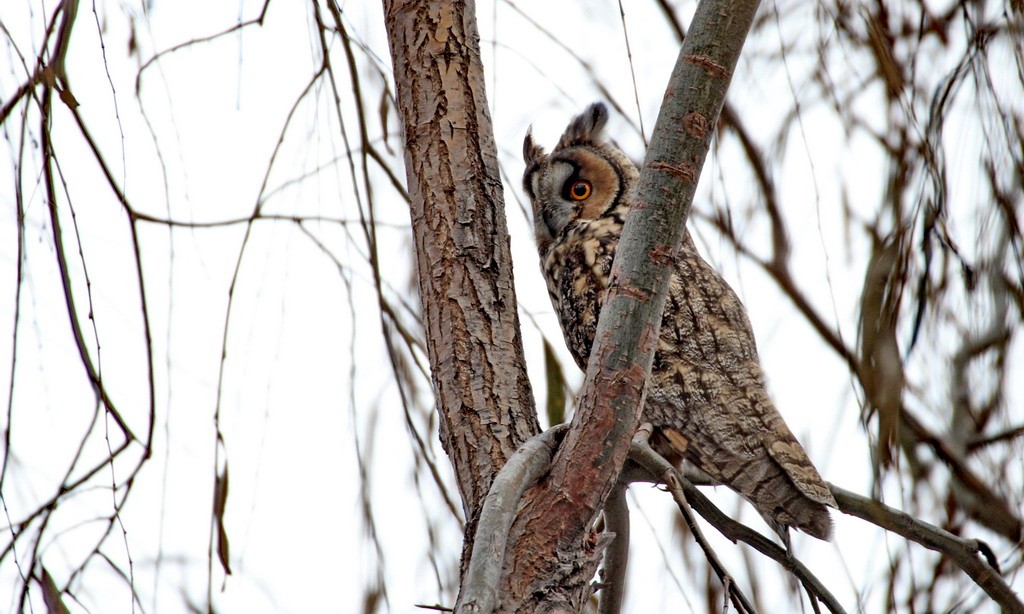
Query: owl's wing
x=741, y=442
x=785, y=450
x=707, y=395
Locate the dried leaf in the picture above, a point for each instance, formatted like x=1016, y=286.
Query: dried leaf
x=881, y=365
x=372, y=600
x=881, y=46
x=133, y=42
x=52, y=595
x=68, y=98
x=220, y=499
x=385, y=104
x=555, y=406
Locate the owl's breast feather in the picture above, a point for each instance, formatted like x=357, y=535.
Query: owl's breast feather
x=576, y=269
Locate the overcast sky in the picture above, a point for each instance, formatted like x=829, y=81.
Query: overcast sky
x=305, y=387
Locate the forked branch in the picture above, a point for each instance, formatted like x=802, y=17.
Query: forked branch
x=557, y=518
x=533, y=460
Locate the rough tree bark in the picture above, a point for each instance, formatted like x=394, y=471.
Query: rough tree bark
x=462, y=246
x=553, y=551
x=465, y=285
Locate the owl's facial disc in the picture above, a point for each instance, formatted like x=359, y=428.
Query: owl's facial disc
x=577, y=184
x=551, y=212
x=592, y=185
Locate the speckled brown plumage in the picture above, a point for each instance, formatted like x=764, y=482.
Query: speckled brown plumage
x=706, y=396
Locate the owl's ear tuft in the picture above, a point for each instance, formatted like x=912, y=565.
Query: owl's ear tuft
x=533, y=155
x=531, y=151
x=586, y=126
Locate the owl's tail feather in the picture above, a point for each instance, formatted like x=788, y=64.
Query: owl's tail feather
x=807, y=516
x=766, y=481
x=782, y=502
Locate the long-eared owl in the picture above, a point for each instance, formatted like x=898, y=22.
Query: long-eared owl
x=706, y=396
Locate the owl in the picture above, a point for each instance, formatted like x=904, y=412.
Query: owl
x=706, y=396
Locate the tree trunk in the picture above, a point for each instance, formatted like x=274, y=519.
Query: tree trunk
x=466, y=286
x=473, y=338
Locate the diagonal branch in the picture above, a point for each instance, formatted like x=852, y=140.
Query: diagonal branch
x=557, y=546
x=685, y=493
x=664, y=473
x=964, y=552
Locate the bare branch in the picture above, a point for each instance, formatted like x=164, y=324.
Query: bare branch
x=558, y=519
x=523, y=469
x=964, y=552
x=616, y=557
x=664, y=473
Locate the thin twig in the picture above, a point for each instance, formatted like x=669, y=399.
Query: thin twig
x=641, y=453
x=731, y=529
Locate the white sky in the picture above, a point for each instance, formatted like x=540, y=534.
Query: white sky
x=293, y=400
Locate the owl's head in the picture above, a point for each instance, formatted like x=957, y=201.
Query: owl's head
x=583, y=178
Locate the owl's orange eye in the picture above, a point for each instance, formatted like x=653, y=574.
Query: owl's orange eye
x=580, y=190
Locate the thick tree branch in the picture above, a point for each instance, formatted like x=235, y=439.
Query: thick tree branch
x=556, y=521
x=533, y=459
x=523, y=469
x=462, y=247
